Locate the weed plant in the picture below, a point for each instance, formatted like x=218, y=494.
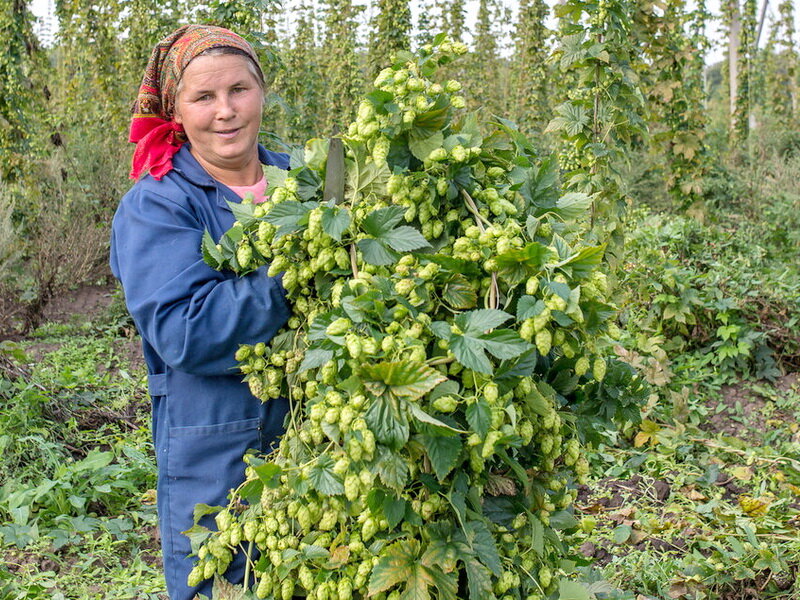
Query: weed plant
x=699, y=501
x=76, y=498
x=727, y=288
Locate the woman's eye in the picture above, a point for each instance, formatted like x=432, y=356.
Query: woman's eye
x=203, y=98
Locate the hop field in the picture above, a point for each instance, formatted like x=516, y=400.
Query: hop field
x=545, y=305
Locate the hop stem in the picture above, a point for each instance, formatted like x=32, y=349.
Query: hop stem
x=494, y=291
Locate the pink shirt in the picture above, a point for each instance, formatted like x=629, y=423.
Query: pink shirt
x=257, y=189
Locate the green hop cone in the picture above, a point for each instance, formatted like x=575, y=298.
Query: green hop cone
x=243, y=353
x=339, y=327
x=195, y=576
x=437, y=155
x=545, y=576
x=491, y=393
x=599, y=369
x=264, y=587
x=445, y=404
x=582, y=366
x=244, y=254
x=458, y=153
x=452, y=86
x=544, y=341
x=532, y=285
x=413, y=303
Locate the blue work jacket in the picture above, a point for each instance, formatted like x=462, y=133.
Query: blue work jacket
x=192, y=319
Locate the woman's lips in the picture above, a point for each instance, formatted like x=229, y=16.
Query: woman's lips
x=228, y=133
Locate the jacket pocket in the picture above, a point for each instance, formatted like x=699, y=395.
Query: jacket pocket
x=203, y=463
x=209, y=457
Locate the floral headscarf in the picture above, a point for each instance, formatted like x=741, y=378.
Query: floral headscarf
x=156, y=135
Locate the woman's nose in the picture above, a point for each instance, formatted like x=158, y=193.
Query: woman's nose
x=225, y=109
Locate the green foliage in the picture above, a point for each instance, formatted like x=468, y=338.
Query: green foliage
x=74, y=503
x=707, y=289
x=703, y=300
x=701, y=507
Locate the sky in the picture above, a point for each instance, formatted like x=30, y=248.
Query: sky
x=715, y=54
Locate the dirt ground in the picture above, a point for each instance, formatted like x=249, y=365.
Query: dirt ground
x=744, y=413
x=84, y=301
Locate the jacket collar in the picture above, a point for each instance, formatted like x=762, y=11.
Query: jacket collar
x=184, y=163
x=187, y=166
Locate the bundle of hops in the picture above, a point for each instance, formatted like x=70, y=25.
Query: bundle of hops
x=431, y=273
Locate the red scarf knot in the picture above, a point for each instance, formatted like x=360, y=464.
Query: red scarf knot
x=157, y=141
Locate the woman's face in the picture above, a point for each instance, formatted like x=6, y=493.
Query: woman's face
x=219, y=105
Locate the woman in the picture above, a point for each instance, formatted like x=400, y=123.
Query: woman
x=195, y=123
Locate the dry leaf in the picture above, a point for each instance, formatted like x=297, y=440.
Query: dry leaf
x=753, y=507
x=499, y=485
x=637, y=536
x=695, y=495
x=340, y=556
x=678, y=590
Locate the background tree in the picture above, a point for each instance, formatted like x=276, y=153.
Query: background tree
x=240, y=16
x=16, y=96
x=673, y=79
x=529, y=72
x=603, y=111
x=486, y=74
x=91, y=88
x=144, y=23
x=747, y=59
x=782, y=66
x=454, y=18
x=340, y=64
x=731, y=16
x=426, y=22
x=300, y=83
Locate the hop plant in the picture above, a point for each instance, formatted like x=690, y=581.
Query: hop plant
x=424, y=447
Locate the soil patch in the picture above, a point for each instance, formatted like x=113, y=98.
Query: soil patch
x=86, y=301
x=744, y=413
x=129, y=351
x=11, y=316
x=614, y=502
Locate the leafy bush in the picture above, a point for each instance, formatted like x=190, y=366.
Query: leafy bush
x=725, y=292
